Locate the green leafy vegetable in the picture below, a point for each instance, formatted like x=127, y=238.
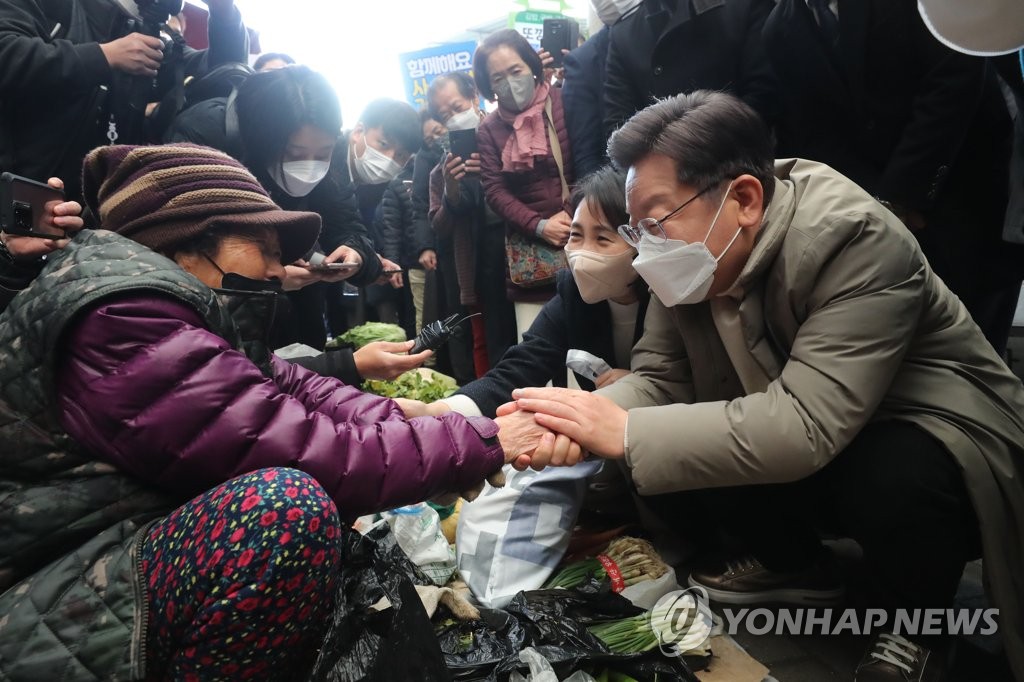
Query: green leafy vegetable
x=421, y=384
x=368, y=333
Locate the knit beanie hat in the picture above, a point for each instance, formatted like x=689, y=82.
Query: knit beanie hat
x=166, y=195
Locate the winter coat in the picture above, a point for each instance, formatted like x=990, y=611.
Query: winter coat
x=57, y=88
x=565, y=322
x=396, y=238
x=667, y=47
x=583, y=98
x=524, y=199
x=142, y=389
x=843, y=313
x=909, y=120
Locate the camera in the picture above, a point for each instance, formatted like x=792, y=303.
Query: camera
x=156, y=12
x=560, y=34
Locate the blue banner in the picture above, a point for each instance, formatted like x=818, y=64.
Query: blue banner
x=421, y=67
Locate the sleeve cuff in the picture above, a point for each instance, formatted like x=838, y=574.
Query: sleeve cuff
x=539, y=230
x=463, y=404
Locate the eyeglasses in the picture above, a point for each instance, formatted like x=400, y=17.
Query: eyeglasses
x=653, y=227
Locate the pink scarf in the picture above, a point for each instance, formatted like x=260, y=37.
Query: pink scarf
x=529, y=136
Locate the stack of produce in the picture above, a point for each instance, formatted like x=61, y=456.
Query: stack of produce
x=627, y=561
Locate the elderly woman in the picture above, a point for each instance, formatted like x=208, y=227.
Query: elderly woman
x=171, y=493
x=525, y=160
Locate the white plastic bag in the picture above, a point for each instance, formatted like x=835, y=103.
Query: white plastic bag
x=586, y=364
x=511, y=539
x=540, y=669
x=417, y=529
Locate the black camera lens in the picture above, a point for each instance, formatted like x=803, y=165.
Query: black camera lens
x=22, y=215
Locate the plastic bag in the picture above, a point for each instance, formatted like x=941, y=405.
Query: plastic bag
x=554, y=623
x=379, y=631
x=586, y=364
x=417, y=529
x=647, y=593
x=540, y=669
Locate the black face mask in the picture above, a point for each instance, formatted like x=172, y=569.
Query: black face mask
x=232, y=281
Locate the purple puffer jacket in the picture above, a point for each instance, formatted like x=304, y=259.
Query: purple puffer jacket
x=146, y=388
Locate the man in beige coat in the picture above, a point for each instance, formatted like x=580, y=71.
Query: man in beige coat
x=802, y=366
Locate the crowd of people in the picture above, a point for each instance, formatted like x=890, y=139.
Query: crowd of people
x=788, y=234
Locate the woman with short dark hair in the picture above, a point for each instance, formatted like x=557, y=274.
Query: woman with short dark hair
x=525, y=158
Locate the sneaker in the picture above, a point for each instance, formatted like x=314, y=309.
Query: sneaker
x=746, y=581
x=895, y=659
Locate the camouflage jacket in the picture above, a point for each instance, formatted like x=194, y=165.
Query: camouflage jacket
x=73, y=606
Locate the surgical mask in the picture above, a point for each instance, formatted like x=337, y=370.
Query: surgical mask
x=464, y=120
x=298, y=178
x=678, y=272
x=602, y=276
x=373, y=167
x=516, y=92
x=610, y=11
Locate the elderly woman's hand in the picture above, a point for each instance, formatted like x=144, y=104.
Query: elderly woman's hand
x=65, y=215
x=556, y=230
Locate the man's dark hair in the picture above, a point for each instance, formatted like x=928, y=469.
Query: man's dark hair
x=463, y=82
x=509, y=38
x=605, y=188
x=426, y=115
x=273, y=105
x=268, y=57
x=399, y=121
x=711, y=136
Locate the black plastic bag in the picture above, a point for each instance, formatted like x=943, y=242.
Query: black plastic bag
x=472, y=649
x=554, y=622
x=393, y=644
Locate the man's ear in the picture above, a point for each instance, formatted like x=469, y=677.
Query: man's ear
x=749, y=194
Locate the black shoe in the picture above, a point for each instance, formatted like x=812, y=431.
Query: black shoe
x=747, y=581
x=895, y=659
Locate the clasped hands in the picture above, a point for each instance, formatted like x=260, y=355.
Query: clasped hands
x=551, y=426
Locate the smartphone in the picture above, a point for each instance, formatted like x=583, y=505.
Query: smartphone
x=391, y=272
x=333, y=267
x=23, y=207
x=560, y=34
x=462, y=143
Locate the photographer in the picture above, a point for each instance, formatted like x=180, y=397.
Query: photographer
x=68, y=66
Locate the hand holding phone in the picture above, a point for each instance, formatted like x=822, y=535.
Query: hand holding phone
x=27, y=208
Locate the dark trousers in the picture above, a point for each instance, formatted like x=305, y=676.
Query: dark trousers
x=895, y=490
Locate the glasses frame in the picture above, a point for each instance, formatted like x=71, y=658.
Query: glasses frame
x=654, y=227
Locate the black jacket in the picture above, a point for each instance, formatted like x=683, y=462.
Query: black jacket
x=565, y=322
x=396, y=235
x=56, y=93
x=908, y=119
x=583, y=100
x=667, y=47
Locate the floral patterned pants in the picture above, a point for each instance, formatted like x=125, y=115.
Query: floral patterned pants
x=241, y=580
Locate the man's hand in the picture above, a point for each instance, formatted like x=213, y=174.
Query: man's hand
x=556, y=230
x=610, y=377
x=136, y=54
x=386, y=360
x=428, y=259
x=395, y=278
x=527, y=445
x=593, y=421
x=64, y=214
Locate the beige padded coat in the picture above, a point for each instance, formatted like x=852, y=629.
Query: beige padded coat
x=842, y=312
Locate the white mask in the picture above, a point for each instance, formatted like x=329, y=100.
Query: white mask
x=298, y=178
x=678, y=272
x=516, y=92
x=610, y=11
x=373, y=167
x=464, y=120
x=601, y=276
